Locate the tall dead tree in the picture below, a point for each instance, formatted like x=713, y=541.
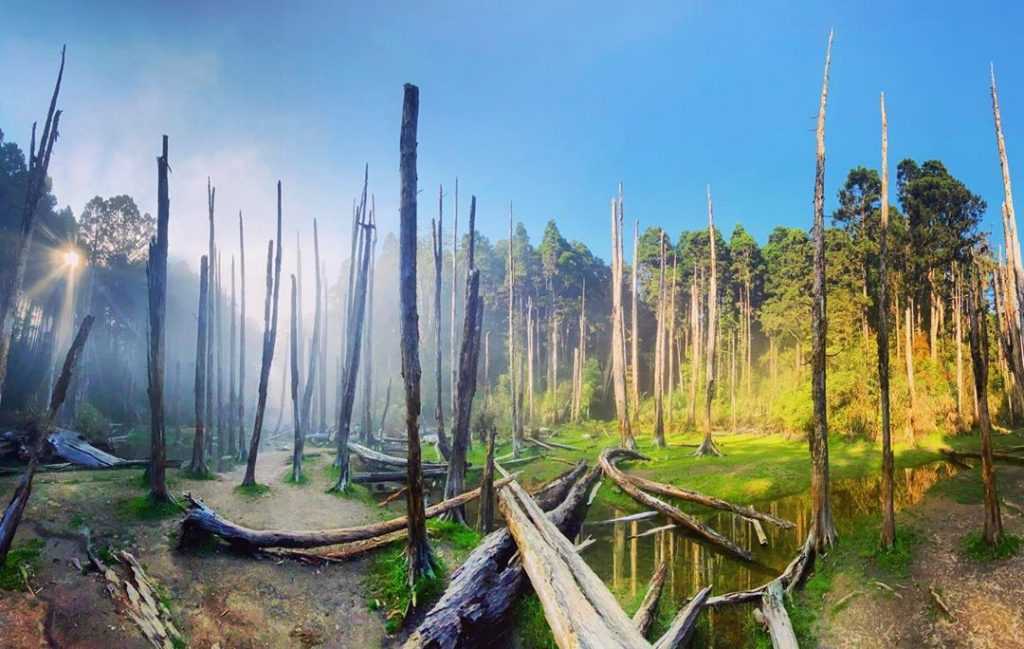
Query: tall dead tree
x=708, y=447
x=659, y=349
x=618, y=360
x=353, y=353
x=322, y=419
x=437, y=234
x=517, y=441
x=993, y=531
x=1009, y=214
x=670, y=350
x=466, y=387
x=634, y=325
x=211, y=319
x=367, y=426
x=16, y=508
x=241, y=452
x=269, y=341
x=295, y=380
x=418, y=555
x=38, y=168
x=888, y=507
x=531, y=334
x=695, y=351
x=453, y=333
x=156, y=276
x=219, y=297
x=233, y=420
x=198, y=465
x=824, y=529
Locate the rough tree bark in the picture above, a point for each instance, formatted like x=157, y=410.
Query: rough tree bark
x=156, y=276
x=993, y=531
x=1009, y=214
x=13, y=513
x=708, y=447
x=420, y=560
x=821, y=508
x=888, y=508
x=38, y=167
x=618, y=335
x=269, y=340
x=198, y=466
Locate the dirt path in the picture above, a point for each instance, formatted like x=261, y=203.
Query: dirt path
x=985, y=598
x=216, y=598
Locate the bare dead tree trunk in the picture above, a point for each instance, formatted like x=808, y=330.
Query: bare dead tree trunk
x=241, y=451
x=305, y=416
x=368, y=360
x=437, y=232
x=295, y=371
x=269, y=341
x=708, y=447
x=38, y=168
x=634, y=325
x=695, y=337
x=670, y=351
x=418, y=554
x=993, y=532
x=233, y=420
x=485, y=523
x=301, y=330
x=659, y=349
x=453, y=333
x=198, y=466
x=618, y=334
x=531, y=331
x=908, y=352
x=1009, y=214
x=466, y=387
x=156, y=275
x=16, y=508
x=824, y=528
x=888, y=507
x=517, y=442
x=221, y=445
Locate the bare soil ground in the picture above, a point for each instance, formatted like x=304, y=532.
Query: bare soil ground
x=217, y=598
x=986, y=599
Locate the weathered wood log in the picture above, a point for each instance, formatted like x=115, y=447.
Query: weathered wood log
x=370, y=455
x=608, y=459
x=776, y=618
x=791, y=577
x=673, y=491
x=644, y=616
x=484, y=588
x=653, y=531
x=684, y=622
x=201, y=520
x=580, y=610
x=393, y=476
x=642, y=516
x=762, y=538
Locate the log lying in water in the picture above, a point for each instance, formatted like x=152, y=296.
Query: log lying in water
x=608, y=459
x=684, y=622
x=580, y=610
x=776, y=618
x=484, y=588
x=791, y=577
x=201, y=521
x=673, y=491
x=644, y=616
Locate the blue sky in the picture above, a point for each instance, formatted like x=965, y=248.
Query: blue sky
x=547, y=105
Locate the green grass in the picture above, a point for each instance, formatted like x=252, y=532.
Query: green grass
x=188, y=474
x=144, y=508
x=288, y=478
x=975, y=547
x=456, y=537
x=22, y=560
x=257, y=490
x=388, y=592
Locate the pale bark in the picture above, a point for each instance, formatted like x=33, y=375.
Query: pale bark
x=708, y=446
x=198, y=466
x=242, y=450
x=156, y=275
x=618, y=360
x=634, y=326
x=295, y=381
x=437, y=234
x=659, y=350
x=517, y=440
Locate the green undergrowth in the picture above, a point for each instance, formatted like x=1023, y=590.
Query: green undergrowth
x=144, y=508
x=975, y=547
x=257, y=490
x=455, y=535
x=188, y=474
x=388, y=591
x=22, y=562
x=288, y=478
x=354, y=491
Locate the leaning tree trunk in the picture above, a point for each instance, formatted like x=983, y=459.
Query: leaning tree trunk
x=12, y=515
x=708, y=446
x=156, y=275
x=269, y=340
x=38, y=168
x=466, y=387
x=420, y=559
x=888, y=508
x=979, y=357
x=823, y=527
x=198, y=466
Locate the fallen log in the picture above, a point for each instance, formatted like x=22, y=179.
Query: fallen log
x=484, y=588
x=201, y=521
x=642, y=516
x=762, y=538
x=580, y=610
x=608, y=459
x=644, y=616
x=1000, y=457
x=66, y=467
x=370, y=455
x=684, y=622
x=653, y=530
x=791, y=577
x=673, y=491
x=393, y=476
x=776, y=618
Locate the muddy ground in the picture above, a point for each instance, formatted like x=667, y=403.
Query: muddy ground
x=216, y=597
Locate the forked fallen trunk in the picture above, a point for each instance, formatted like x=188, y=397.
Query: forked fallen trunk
x=608, y=459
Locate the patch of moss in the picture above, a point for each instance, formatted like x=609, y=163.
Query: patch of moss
x=388, y=591
x=22, y=560
x=288, y=478
x=975, y=547
x=257, y=490
x=354, y=491
x=144, y=508
x=456, y=534
x=532, y=630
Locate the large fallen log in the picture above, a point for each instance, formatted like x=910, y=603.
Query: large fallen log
x=673, y=491
x=684, y=622
x=201, y=521
x=580, y=610
x=791, y=577
x=608, y=459
x=370, y=455
x=776, y=618
x=484, y=588
x=393, y=476
x=644, y=616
